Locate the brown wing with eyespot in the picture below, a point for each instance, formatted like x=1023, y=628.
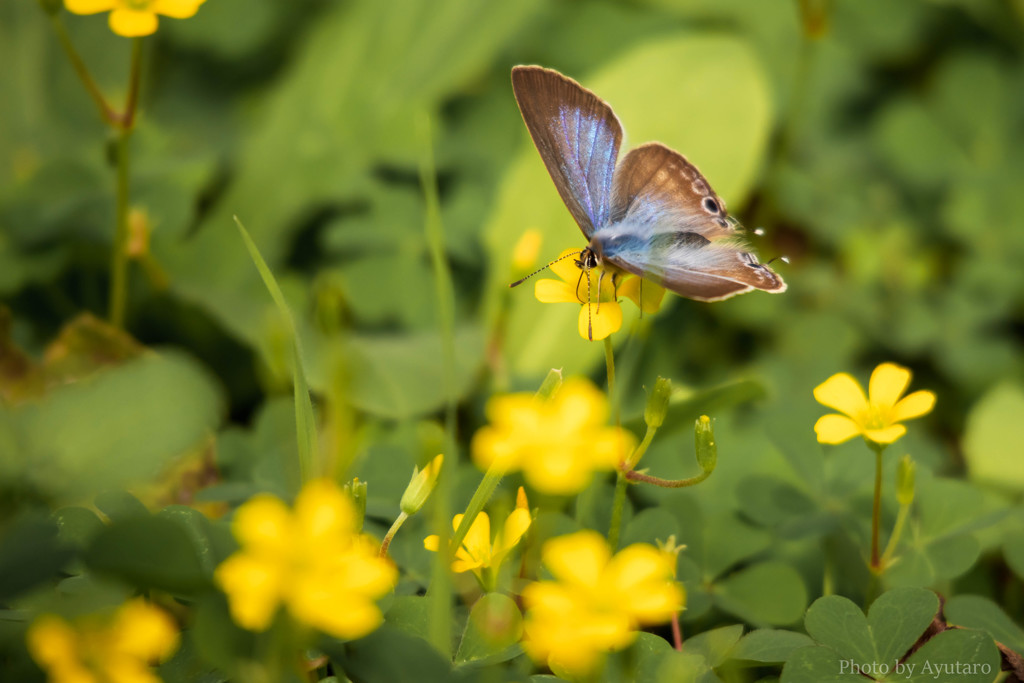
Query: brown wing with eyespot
x=578, y=137
x=694, y=248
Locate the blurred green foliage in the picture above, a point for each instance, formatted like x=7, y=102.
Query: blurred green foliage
x=878, y=144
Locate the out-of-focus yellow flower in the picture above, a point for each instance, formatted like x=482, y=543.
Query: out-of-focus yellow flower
x=524, y=253
x=118, y=648
x=876, y=417
x=558, y=442
x=596, y=602
x=603, y=315
x=131, y=18
x=478, y=553
x=311, y=559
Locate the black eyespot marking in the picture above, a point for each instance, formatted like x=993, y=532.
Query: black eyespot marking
x=711, y=206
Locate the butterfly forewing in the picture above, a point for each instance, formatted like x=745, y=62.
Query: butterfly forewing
x=578, y=137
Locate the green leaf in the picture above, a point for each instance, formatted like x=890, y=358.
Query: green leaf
x=119, y=426
x=389, y=654
x=120, y=505
x=977, y=612
x=148, y=552
x=993, y=436
x=30, y=554
x=492, y=632
x=411, y=614
x=954, y=655
x=769, y=645
x=714, y=645
x=817, y=664
x=1013, y=551
x=895, y=621
x=764, y=593
x=305, y=419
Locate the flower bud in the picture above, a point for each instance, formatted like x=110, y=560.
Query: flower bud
x=419, y=488
x=551, y=384
x=704, y=440
x=905, y=480
x=357, y=491
x=657, y=403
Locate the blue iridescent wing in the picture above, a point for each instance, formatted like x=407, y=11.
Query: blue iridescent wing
x=668, y=225
x=578, y=137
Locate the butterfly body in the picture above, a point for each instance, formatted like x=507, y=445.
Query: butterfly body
x=651, y=214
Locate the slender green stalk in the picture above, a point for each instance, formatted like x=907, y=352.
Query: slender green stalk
x=386, y=543
x=609, y=362
x=876, y=509
x=440, y=622
x=106, y=112
x=897, y=531
x=483, y=493
x=633, y=475
x=119, y=253
x=618, y=504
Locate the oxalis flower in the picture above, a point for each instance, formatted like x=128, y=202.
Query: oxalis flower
x=876, y=417
x=603, y=315
x=310, y=559
x=478, y=553
x=557, y=443
x=597, y=601
x=131, y=18
x=119, y=647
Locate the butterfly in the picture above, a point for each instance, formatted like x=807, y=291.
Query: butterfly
x=651, y=214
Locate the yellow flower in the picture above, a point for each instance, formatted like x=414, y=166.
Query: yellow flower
x=596, y=602
x=132, y=18
x=116, y=648
x=524, y=253
x=558, y=442
x=477, y=553
x=603, y=316
x=875, y=417
x=311, y=559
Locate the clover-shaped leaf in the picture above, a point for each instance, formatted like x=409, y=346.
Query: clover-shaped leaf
x=873, y=647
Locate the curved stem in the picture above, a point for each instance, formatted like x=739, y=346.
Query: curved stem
x=386, y=543
x=106, y=112
x=633, y=475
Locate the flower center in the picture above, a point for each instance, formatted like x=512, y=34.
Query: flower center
x=138, y=5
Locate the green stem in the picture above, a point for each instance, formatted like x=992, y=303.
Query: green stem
x=480, y=497
x=386, y=543
x=609, y=362
x=633, y=475
x=106, y=112
x=618, y=503
x=897, y=531
x=440, y=613
x=876, y=509
x=119, y=253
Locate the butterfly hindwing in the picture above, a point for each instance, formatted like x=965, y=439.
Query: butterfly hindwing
x=578, y=137
x=670, y=226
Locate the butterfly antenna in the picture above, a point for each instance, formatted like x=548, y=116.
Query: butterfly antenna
x=539, y=270
x=784, y=259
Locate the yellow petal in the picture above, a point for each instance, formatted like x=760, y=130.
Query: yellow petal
x=323, y=511
x=565, y=267
x=598, y=321
x=51, y=640
x=263, y=524
x=887, y=384
x=915, y=405
x=555, y=292
x=432, y=542
x=578, y=558
x=835, y=429
x=524, y=254
x=478, y=539
x=253, y=588
x=843, y=393
x=89, y=6
x=644, y=293
x=179, y=9
x=886, y=435
x=145, y=631
x=132, y=23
